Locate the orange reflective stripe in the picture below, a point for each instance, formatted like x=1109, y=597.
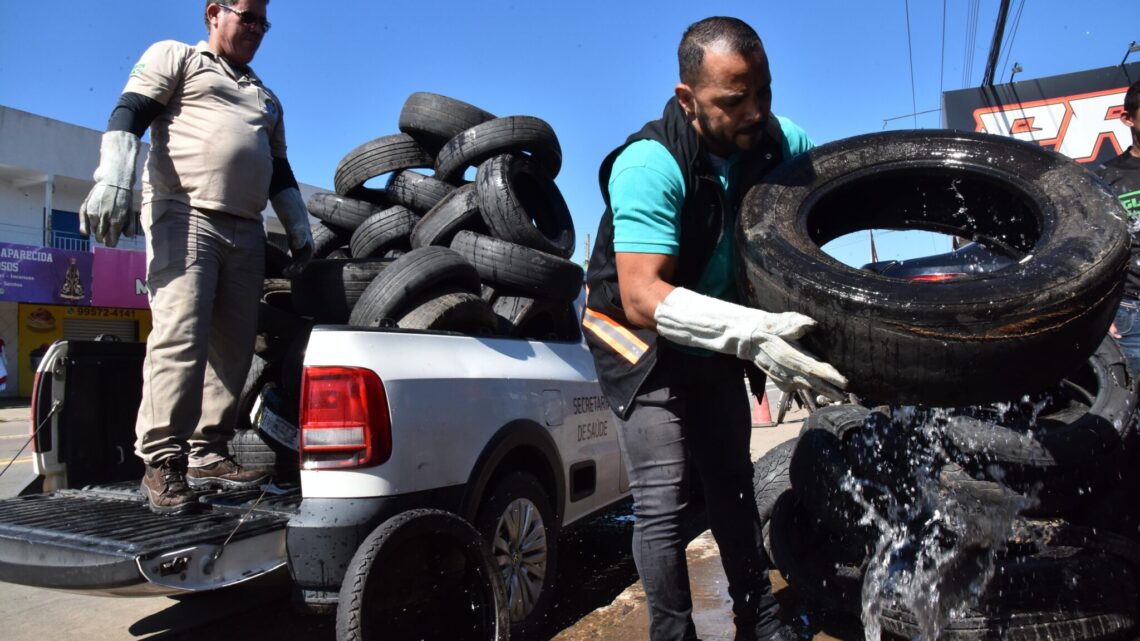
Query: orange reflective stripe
x=619, y=338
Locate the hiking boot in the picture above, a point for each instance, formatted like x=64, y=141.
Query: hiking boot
x=164, y=486
x=226, y=474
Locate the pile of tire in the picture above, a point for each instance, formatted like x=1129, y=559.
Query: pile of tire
x=488, y=256
x=1066, y=458
x=430, y=250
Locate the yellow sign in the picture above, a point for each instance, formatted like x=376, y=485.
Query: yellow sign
x=42, y=325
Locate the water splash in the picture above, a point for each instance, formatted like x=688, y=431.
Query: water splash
x=937, y=542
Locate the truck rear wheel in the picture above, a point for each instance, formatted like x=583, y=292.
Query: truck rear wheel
x=422, y=574
x=518, y=528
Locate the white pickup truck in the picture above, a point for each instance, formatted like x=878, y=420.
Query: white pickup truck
x=399, y=430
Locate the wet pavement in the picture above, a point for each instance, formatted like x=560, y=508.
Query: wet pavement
x=626, y=617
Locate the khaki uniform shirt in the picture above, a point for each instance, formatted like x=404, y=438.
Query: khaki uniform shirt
x=213, y=146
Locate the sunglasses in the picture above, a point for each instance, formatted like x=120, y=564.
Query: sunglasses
x=247, y=18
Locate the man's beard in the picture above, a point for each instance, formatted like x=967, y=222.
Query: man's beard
x=721, y=141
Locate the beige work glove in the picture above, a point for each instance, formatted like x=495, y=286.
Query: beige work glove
x=294, y=217
x=106, y=211
x=688, y=318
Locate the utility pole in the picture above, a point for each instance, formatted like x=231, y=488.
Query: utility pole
x=586, y=259
x=995, y=45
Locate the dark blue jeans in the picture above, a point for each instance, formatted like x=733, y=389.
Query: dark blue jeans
x=1127, y=323
x=693, y=416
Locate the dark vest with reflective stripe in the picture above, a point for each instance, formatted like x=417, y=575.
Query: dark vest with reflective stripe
x=625, y=355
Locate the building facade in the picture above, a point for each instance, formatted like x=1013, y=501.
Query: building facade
x=54, y=283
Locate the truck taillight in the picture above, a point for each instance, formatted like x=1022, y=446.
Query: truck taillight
x=344, y=419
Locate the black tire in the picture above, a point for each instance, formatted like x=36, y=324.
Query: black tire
x=811, y=561
x=771, y=478
x=818, y=470
x=376, y=158
x=252, y=451
x=520, y=203
x=422, y=574
x=411, y=280
x=519, y=532
x=462, y=312
x=456, y=211
x=536, y=318
x=1060, y=444
x=328, y=289
x=981, y=338
x=433, y=119
x=384, y=230
x=261, y=371
x=416, y=191
x=499, y=136
x=521, y=270
x=1059, y=593
x=327, y=239
x=339, y=211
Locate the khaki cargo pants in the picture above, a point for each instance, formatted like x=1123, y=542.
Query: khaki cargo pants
x=205, y=272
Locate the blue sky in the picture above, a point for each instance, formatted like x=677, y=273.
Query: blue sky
x=594, y=70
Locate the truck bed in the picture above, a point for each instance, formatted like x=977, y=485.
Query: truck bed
x=105, y=540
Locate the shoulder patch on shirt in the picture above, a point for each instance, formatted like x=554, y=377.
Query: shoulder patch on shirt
x=270, y=107
x=137, y=69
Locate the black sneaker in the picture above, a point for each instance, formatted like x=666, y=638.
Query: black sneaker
x=164, y=486
x=226, y=474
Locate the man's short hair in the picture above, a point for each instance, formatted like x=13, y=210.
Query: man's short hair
x=732, y=33
x=1132, y=100
x=228, y=3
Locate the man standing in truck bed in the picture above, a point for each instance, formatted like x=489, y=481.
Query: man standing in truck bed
x=1123, y=175
x=668, y=338
x=217, y=154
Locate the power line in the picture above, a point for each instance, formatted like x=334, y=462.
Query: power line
x=1013, y=33
x=942, y=62
x=971, y=41
x=910, y=56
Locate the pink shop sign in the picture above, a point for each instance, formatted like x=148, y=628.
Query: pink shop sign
x=119, y=279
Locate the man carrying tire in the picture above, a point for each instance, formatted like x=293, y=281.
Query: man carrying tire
x=1123, y=176
x=217, y=155
x=668, y=338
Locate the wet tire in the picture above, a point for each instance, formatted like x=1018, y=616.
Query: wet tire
x=520, y=270
x=410, y=281
x=1059, y=593
x=521, y=204
x=462, y=312
x=328, y=290
x=339, y=211
x=383, y=231
x=520, y=533
x=376, y=158
x=810, y=560
x=771, y=478
x=821, y=475
x=981, y=338
x=1060, y=444
x=457, y=211
x=433, y=119
x=422, y=574
x=416, y=191
x=506, y=135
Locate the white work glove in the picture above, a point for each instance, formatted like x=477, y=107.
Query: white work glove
x=107, y=209
x=294, y=217
x=688, y=318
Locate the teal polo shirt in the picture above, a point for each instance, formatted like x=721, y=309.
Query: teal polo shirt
x=647, y=192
